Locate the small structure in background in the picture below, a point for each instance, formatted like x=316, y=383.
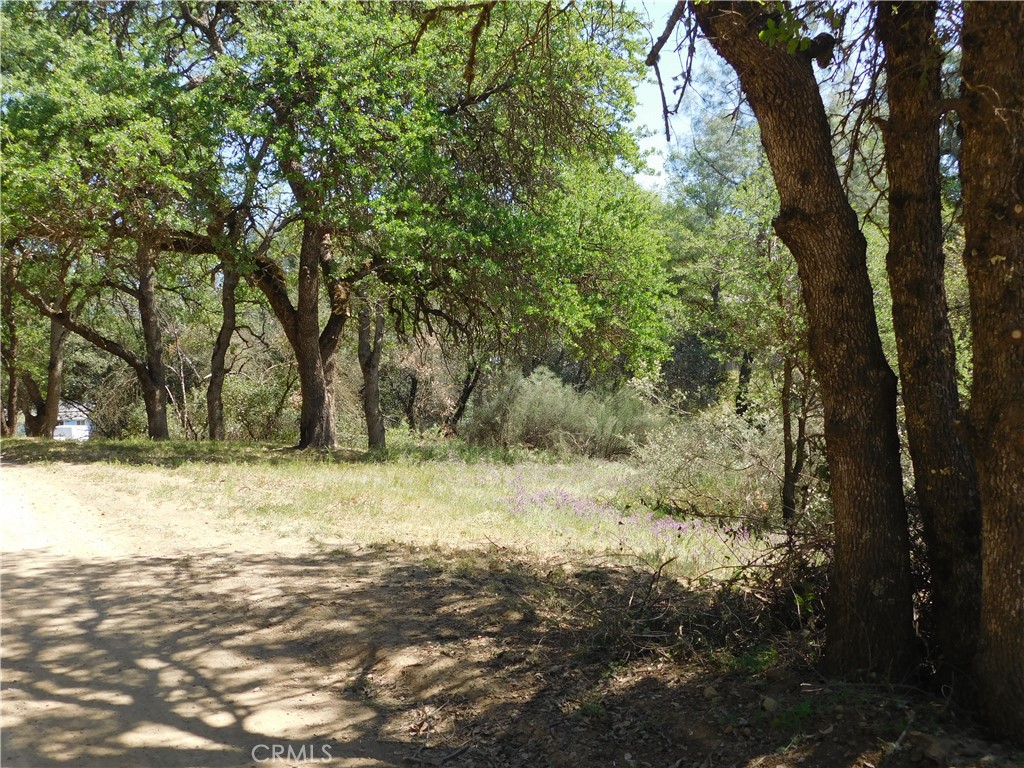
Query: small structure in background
x=72, y=423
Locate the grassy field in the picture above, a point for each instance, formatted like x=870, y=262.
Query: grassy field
x=430, y=495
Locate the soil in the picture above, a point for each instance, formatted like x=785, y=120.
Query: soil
x=150, y=635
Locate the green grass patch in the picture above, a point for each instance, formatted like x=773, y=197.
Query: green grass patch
x=526, y=501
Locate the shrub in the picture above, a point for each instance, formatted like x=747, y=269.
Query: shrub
x=715, y=465
x=543, y=412
x=262, y=408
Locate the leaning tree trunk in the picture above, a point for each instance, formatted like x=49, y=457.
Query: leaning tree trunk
x=218, y=360
x=469, y=383
x=870, y=622
x=371, y=336
x=153, y=377
x=944, y=475
x=33, y=406
x=992, y=168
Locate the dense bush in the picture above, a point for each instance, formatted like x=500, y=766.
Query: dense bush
x=262, y=407
x=543, y=412
x=117, y=409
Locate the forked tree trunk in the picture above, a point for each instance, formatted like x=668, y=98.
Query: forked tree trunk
x=316, y=420
x=870, y=622
x=992, y=168
x=371, y=337
x=944, y=474
x=42, y=411
x=218, y=360
x=314, y=349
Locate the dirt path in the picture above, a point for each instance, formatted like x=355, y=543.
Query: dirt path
x=134, y=637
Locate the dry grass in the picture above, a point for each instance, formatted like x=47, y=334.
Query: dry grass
x=528, y=503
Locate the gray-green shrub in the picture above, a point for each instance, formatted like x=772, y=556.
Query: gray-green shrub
x=543, y=412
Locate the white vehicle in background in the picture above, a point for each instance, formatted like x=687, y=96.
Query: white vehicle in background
x=72, y=423
x=71, y=432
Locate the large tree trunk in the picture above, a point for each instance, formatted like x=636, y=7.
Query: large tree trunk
x=870, y=622
x=314, y=349
x=944, y=474
x=316, y=423
x=218, y=360
x=54, y=378
x=992, y=167
x=371, y=337
x=42, y=410
x=153, y=377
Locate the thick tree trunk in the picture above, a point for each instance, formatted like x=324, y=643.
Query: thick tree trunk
x=54, y=378
x=371, y=337
x=218, y=360
x=42, y=411
x=944, y=474
x=153, y=378
x=992, y=168
x=870, y=622
x=316, y=422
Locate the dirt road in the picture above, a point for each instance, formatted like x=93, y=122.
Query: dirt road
x=142, y=637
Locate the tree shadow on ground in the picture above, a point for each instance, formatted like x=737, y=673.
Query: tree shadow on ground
x=386, y=657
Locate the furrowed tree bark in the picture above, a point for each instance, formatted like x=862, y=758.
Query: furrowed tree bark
x=218, y=360
x=992, y=169
x=944, y=474
x=870, y=612
x=371, y=336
